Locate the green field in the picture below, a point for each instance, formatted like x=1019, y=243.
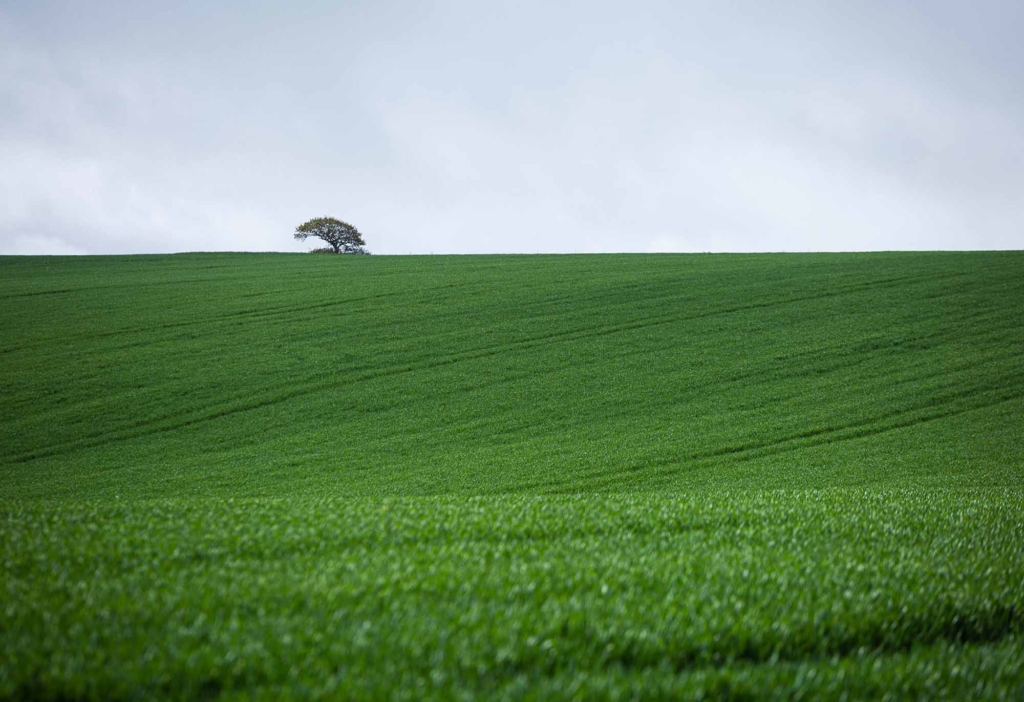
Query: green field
x=520, y=476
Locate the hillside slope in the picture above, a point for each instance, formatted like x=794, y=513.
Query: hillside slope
x=237, y=375
x=543, y=477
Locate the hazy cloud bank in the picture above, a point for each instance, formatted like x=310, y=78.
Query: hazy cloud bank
x=518, y=127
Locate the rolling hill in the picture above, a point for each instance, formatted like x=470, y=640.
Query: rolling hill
x=600, y=476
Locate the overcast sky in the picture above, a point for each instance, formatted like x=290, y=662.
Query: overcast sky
x=482, y=126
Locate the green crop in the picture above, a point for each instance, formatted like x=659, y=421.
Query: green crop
x=512, y=476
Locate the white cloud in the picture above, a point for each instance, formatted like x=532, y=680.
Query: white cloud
x=456, y=128
x=29, y=244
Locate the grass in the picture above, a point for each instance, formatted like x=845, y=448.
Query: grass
x=550, y=476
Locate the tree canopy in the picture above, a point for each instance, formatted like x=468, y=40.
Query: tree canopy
x=341, y=237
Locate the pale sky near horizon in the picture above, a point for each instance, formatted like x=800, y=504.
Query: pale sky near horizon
x=506, y=127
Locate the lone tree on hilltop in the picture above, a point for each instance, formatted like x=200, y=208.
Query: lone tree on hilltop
x=341, y=237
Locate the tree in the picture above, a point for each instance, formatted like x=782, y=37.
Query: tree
x=342, y=237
